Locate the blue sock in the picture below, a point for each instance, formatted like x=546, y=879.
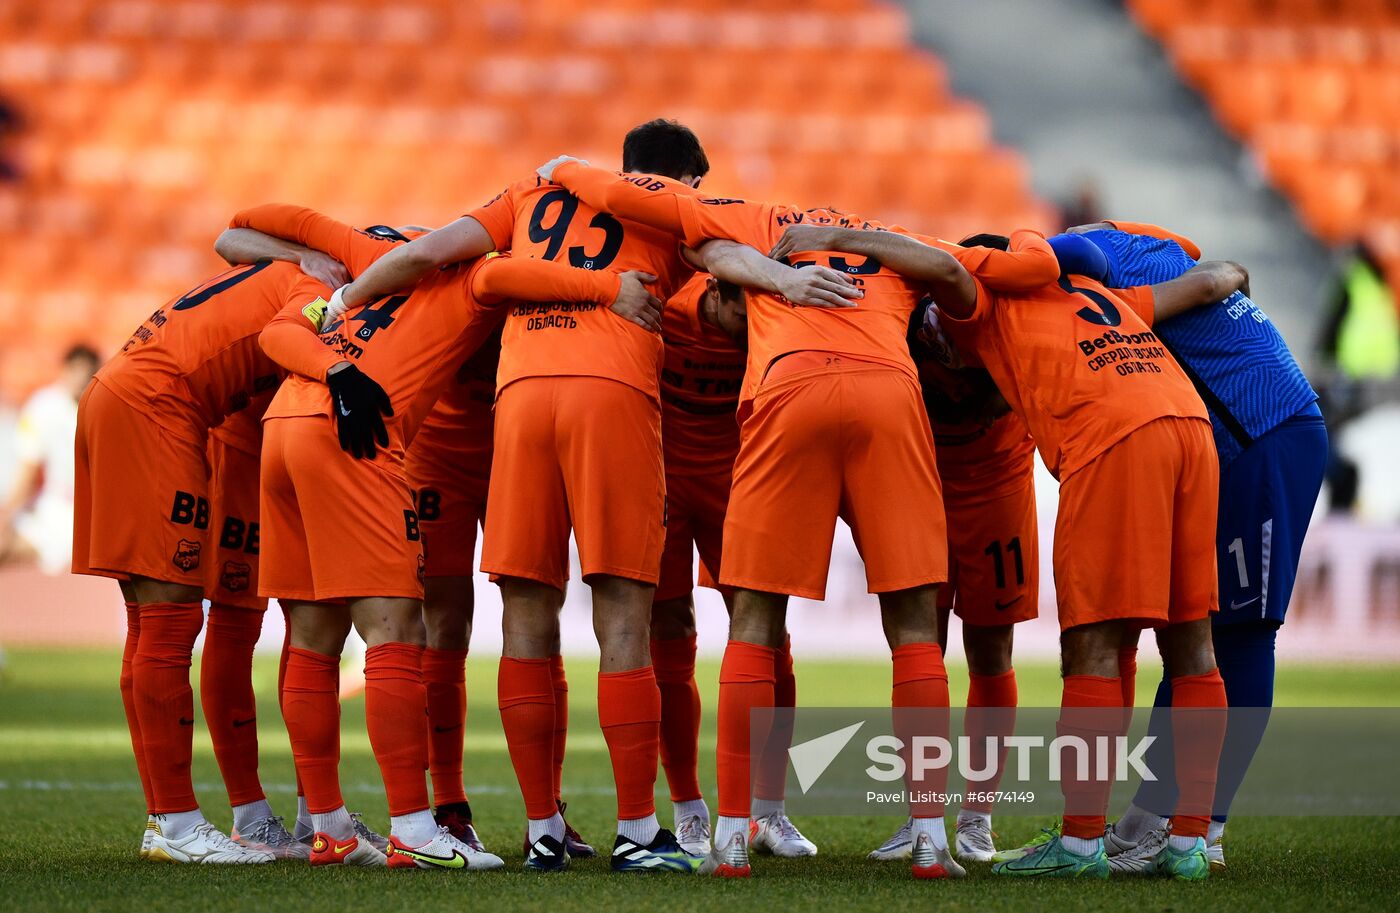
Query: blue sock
x=1159, y=796
x=1245, y=654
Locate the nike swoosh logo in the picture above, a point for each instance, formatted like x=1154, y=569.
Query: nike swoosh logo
x=340, y=850
x=455, y=861
x=343, y=411
x=1047, y=869
x=1239, y=605
x=1003, y=606
x=239, y=723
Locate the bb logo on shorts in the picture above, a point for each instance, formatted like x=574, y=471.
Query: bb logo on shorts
x=186, y=556
x=236, y=576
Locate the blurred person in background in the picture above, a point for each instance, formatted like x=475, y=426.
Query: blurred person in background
x=1085, y=204
x=36, y=517
x=11, y=126
x=1362, y=333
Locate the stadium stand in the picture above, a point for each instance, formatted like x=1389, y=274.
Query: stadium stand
x=150, y=121
x=1313, y=88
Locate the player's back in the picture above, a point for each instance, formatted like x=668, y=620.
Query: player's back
x=411, y=344
x=873, y=330
x=196, y=359
x=1079, y=362
x=533, y=218
x=700, y=384
x=1246, y=374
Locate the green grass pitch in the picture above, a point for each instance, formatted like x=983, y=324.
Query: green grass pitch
x=71, y=816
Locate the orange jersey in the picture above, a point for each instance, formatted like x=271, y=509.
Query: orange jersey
x=196, y=360
x=872, y=331
x=461, y=421
x=413, y=343
x=980, y=454
x=700, y=383
x=1079, y=363
x=242, y=430
x=535, y=219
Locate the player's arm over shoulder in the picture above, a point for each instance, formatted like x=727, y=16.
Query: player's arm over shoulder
x=950, y=284
x=292, y=338
x=1156, y=231
x=1204, y=283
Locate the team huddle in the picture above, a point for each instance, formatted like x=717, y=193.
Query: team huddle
x=660, y=372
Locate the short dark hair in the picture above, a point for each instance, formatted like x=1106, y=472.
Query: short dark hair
x=81, y=352
x=984, y=239
x=665, y=147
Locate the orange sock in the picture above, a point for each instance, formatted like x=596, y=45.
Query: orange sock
x=629, y=712
x=1127, y=676
x=526, y=695
x=674, y=662
x=560, y=685
x=165, y=700
x=396, y=706
x=311, y=709
x=1090, y=708
x=226, y=694
x=920, y=701
x=445, y=678
x=991, y=712
x=127, y=683
x=282, y=682
x=1198, y=734
x=770, y=781
x=746, y=681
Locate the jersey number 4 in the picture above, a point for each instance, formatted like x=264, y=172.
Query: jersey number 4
x=555, y=232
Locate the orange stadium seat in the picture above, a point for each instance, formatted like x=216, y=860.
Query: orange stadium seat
x=1313, y=87
x=154, y=120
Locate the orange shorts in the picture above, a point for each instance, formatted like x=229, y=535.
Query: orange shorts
x=334, y=527
x=140, y=494
x=580, y=452
x=1135, y=535
x=993, y=558
x=450, y=474
x=832, y=436
x=696, y=503
x=231, y=578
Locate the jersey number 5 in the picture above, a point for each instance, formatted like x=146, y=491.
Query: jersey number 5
x=1105, y=315
x=555, y=232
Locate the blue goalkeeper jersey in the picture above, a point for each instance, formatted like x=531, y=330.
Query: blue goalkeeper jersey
x=1232, y=352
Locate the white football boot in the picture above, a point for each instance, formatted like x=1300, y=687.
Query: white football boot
x=777, y=834
x=205, y=845
x=899, y=846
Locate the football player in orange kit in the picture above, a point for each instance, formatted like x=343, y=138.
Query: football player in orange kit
x=449, y=467
x=1124, y=431
x=578, y=444
x=705, y=332
x=985, y=460
x=142, y=516
x=832, y=425
x=414, y=343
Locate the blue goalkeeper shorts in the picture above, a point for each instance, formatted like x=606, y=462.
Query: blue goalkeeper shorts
x=1267, y=495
